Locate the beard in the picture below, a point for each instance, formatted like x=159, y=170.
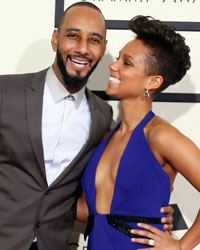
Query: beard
x=71, y=81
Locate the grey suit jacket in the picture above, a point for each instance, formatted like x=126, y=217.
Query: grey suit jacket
x=28, y=207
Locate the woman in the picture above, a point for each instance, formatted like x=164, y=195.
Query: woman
x=130, y=175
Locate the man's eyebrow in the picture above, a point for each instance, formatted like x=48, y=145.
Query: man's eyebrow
x=72, y=29
x=97, y=34
x=92, y=33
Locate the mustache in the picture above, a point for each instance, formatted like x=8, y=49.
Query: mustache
x=79, y=56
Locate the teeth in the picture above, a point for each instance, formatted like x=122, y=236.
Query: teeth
x=114, y=80
x=79, y=62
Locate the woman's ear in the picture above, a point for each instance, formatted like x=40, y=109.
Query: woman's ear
x=154, y=82
x=54, y=40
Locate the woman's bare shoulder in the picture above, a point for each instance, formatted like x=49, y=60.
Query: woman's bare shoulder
x=160, y=130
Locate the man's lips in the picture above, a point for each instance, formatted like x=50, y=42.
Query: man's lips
x=79, y=62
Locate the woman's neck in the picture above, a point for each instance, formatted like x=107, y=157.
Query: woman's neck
x=132, y=113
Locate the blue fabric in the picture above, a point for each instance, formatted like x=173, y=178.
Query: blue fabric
x=141, y=189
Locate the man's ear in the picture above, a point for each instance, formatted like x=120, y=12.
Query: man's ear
x=104, y=47
x=54, y=40
x=154, y=82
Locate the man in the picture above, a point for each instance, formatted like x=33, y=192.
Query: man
x=49, y=125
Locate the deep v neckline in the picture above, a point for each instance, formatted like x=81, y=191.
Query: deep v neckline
x=142, y=123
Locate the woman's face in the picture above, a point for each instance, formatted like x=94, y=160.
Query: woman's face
x=128, y=74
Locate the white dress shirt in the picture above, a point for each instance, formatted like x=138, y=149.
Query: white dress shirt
x=66, y=124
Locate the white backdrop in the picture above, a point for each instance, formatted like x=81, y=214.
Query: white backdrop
x=26, y=28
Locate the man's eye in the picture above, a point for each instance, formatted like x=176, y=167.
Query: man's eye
x=73, y=36
x=95, y=40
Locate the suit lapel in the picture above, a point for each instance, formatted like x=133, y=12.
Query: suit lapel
x=94, y=116
x=34, y=97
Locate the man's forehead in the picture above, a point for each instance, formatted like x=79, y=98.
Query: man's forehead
x=84, y=18
x=83, y=12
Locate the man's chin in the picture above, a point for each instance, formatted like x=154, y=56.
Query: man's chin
x=78, y=74
x=77, y=77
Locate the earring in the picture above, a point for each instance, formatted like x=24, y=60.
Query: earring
x=146, y=94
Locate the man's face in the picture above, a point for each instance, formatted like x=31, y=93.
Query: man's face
x=80, y=44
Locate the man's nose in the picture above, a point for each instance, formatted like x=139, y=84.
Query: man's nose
x=82, y=47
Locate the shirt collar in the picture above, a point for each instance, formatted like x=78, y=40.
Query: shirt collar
x=58, y=91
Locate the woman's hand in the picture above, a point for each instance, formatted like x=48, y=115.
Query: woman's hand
x=156, y=238
x=168, y=220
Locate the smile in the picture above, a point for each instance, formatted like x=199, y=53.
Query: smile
x=79, y=64
x=114, y=81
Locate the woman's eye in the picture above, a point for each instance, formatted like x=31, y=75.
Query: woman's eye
x=128, y=63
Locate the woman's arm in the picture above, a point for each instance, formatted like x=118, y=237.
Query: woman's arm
x=82, y=212
x=192, y=237
x=179, y=152
x=183, y=155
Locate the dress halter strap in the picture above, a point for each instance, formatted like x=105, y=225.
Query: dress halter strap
x=146, y=119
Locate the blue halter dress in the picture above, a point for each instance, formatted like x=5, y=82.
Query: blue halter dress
x=141, y=189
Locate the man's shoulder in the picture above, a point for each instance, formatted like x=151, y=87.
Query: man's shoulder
x=102, y=110
x=97, y=101
x=19, y=78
